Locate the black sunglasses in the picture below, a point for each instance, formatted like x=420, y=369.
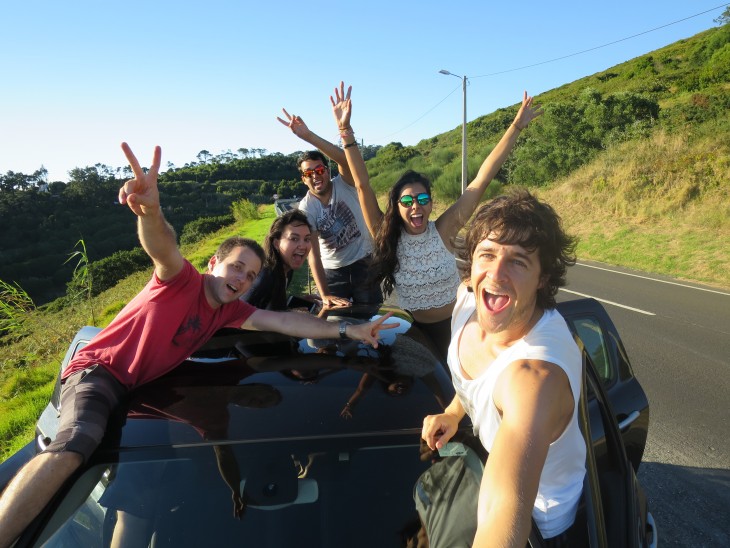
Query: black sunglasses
x=407, y=200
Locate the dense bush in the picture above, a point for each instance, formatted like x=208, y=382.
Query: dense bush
x=107, y=272
x=570, y=134
x=717, y=69
x=196, y=230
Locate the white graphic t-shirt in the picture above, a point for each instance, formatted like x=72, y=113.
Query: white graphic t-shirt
x=343, y=234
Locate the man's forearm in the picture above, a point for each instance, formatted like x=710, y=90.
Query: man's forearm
x=330, y=150
x=318, y=273
x=294, y=324
x=155, y=234
x=455, y=408
x=159, y=242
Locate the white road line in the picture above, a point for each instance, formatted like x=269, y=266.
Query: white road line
x=654, y=279
x=609, y=302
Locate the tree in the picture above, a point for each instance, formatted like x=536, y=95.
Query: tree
x=40, y=176
x=15, y=181
x=724, y=19
x=267, y=189
x=89, y=186
x=203, y=156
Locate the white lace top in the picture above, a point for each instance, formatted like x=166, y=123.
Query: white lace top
x=426, y=276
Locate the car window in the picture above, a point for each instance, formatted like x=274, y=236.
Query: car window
x=590, y=332
x=322, y=494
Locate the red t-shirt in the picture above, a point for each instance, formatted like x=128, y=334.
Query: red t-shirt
x=158, y=329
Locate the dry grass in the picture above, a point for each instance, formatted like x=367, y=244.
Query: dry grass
x=662, y=205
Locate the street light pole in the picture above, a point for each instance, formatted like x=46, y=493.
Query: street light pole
x=464, y=174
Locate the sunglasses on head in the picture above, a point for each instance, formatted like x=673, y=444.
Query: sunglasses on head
x=309, y=173
x=407, y=200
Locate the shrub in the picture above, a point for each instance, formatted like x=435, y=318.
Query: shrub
x=107, y=272
x=196, y=230
x=244, y=210
x=717, y=69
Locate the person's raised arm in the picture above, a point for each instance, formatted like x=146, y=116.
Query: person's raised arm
x=155, y=233
x=332, y=151
x=342, y=111
x=456, y=216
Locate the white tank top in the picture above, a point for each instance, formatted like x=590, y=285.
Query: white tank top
x=561, y=481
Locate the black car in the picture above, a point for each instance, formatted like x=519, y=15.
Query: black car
x=264, y=440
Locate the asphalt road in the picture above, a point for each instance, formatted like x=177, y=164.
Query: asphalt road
x=677, y=335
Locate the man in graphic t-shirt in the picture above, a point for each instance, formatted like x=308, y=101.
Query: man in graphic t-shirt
x=340, y=255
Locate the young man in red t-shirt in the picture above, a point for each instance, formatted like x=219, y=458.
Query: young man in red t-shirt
x=176, y=312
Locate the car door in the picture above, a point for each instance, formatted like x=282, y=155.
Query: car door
x=588, y=320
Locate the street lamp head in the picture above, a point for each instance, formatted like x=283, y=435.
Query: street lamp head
x=443, y=71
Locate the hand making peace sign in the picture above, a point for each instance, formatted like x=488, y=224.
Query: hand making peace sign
x=141, y=193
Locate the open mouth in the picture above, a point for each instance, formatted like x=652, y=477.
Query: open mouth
x=495, y=302
x=232, y=288
x=298, y=258
x=417, y=220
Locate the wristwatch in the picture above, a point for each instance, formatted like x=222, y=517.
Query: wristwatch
x=343, y=331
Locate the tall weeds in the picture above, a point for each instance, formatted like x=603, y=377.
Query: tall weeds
x=15, y=305
x=81, y=286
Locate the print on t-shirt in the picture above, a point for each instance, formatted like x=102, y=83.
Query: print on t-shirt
x=337, y=226
x=192, y=324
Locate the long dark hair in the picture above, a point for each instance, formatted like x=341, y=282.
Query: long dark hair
x=385, y=257
x=273, y=260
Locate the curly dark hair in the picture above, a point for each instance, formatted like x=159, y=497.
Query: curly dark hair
x=518, y=218
x=385, y=258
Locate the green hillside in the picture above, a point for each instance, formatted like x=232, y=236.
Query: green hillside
x=635, y=158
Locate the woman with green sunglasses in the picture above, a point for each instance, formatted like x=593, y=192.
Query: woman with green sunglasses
x=413, y=254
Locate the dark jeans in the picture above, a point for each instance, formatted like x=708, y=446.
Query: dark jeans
x=439, y=334
x=352, y=282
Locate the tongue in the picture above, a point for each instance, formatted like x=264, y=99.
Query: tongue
x=417, y=221
x=495, y=303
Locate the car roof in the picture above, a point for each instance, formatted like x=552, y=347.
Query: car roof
x=274, y=387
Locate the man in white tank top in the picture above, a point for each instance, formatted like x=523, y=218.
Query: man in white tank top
x=517, y=373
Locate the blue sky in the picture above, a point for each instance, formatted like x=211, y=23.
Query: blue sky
x=79, y=77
